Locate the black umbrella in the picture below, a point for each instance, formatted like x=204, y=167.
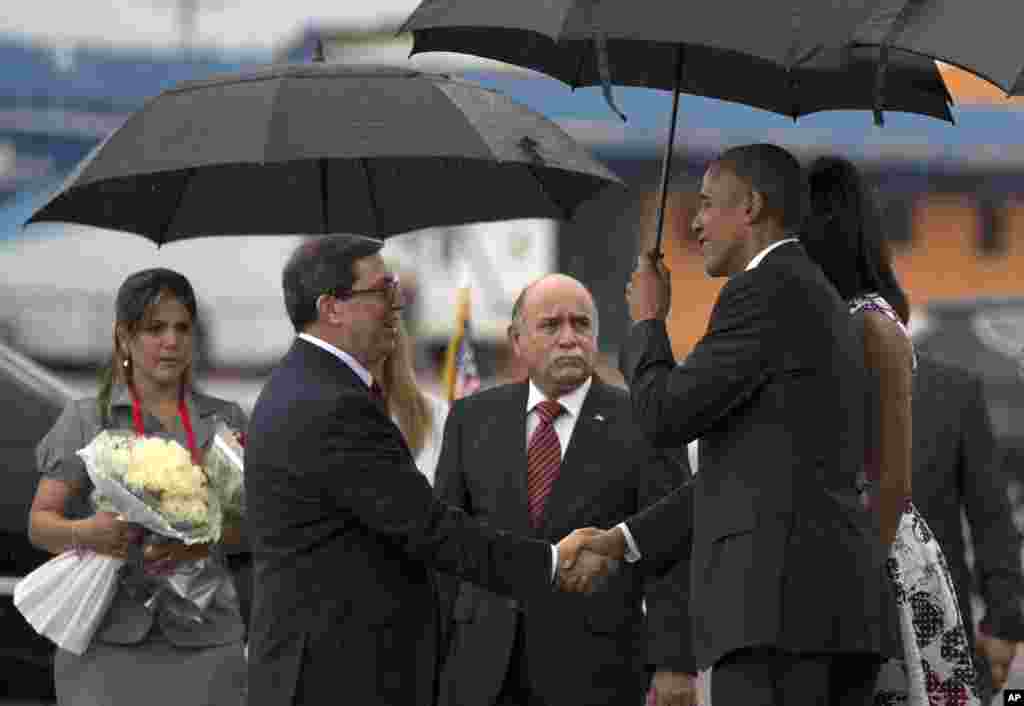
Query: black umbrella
x=980, y=36
x=309, y=149
x=786, y=56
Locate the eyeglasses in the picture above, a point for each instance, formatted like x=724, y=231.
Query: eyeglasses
x=390, y=288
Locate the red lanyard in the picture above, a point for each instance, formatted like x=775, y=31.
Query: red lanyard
x=186, y=421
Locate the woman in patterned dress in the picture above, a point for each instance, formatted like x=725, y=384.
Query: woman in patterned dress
x=843, y=235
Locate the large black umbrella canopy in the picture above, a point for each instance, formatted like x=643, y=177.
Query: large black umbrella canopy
x=317, y=149
x=787, y=56
x=558, y=36
x=980, y=36
x=803, y=80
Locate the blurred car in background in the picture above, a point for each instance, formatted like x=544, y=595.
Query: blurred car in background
x=32, y=399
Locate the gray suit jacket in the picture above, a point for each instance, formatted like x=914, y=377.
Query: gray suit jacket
x=128, y=621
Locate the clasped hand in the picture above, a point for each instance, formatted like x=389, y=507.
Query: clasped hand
x=587, y=557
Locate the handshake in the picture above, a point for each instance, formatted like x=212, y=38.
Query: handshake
x=587, y=557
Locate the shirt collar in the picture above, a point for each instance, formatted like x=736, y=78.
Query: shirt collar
x=761, y=255
x=345, y=358
x=121, y=396
x=573, y=402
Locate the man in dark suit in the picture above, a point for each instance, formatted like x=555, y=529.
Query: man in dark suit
x=513, y=653
x=958, y=466
x=788, y=593
x=343, y=527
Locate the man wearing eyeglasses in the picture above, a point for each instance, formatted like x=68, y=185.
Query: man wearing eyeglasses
x=344, y=529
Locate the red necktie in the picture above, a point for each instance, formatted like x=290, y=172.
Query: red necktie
x=543, y=459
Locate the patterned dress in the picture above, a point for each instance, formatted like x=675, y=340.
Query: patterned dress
x=937, y=669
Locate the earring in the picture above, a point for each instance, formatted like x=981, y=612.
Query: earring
x=125, y=363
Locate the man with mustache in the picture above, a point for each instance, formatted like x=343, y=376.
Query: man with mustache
x=538, y=458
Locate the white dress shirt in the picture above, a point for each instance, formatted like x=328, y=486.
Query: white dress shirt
x=756, y=260
x=632, y=550
x=344, y=357
x=564, y=423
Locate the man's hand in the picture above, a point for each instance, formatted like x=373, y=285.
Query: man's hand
x=999, y=654
x=588, y=574
x=649, y=292
x=674, y=689
x=581, y=569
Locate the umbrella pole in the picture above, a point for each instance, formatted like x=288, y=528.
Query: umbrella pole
x=666, y=164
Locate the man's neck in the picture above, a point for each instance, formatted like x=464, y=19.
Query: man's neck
x=761, y=238
x=331, y=336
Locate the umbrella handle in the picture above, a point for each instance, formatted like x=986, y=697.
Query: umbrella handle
x=666, y=164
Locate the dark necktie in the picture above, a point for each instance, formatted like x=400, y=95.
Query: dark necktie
x=543, y=459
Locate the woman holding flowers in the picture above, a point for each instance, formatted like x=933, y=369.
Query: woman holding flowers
x=152, y=645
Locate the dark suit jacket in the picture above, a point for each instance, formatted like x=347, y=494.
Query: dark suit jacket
x=782, y=553
x=344, y=531
x=957, y=465
x=609, y=472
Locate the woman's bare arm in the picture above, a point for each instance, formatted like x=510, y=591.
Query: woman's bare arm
x=889, y=355
x=49, y=528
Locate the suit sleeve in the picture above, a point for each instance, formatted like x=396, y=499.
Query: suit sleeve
x=450, y=488
x=675, y=404
x=996, y=540
x=669, y=635
x=373, y=476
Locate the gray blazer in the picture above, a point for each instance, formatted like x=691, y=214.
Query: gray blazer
x=128, y=621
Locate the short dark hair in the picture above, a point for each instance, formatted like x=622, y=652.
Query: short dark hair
x=843, y=234
x=318, y=266
x=775, y=174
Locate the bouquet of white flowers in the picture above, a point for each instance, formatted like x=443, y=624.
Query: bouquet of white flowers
x=154, y=483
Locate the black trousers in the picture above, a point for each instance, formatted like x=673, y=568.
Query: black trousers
x=764, y=676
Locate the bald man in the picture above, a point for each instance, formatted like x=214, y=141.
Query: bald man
x=538, y=458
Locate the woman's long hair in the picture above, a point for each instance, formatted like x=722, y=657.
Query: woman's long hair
x=132, y=308
x=405, y=400
x=843, y=234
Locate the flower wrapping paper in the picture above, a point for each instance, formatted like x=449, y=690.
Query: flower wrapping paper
x=67, y=598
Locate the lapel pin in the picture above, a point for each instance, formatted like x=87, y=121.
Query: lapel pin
x=599, y=417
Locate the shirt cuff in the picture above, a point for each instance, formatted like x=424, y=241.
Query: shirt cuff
x=632, y=552
x=554, y=563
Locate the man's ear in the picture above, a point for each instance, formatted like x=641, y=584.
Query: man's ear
x=755, y=206
x=513, y=338
x=327, y=308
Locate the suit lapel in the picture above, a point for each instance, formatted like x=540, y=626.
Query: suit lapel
x=587, y=440
x=508, y=456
